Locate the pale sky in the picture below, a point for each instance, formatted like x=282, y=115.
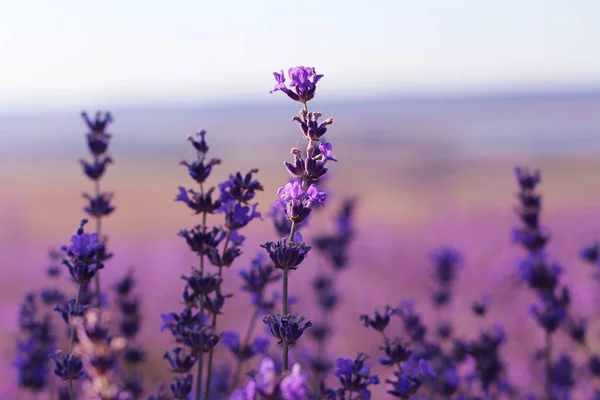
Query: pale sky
x=59, y=53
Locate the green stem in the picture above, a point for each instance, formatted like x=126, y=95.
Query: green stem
x=285, y=300
x=214, y=324
x=99, y=234
x=549, y=365
x=72, y=339
x=201, y=355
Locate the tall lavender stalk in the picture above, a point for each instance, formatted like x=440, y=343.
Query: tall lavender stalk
x=538, y=270
x=298, y=197
x=99, y=203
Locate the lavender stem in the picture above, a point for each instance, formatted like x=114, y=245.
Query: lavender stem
x=548, y=365
x=99, y=233
x=72, y=338
x=201, y=355
x=249, y=332
x=214, y=323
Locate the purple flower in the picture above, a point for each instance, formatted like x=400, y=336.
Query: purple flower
x=244, y=352
x=200, y=145
x=99, y=124
x=313, y=167
x=355, y=375
x=326, y=151
x=96, y=170
x=240, y=188
x=303, y=80
x=179, y=362
x=98, y=139
x=310, y=126
x=84, y=247
x=203, y=242
x=67, y=366
x=198, y=170
x=200, y=339
x=527, y=179
x=182, y=387
x=293, y=386
x=285, y=254
x=259, y=275
x=99, y=206
x=201, y=285
x=286, y=328
x=296, y=202
x=237, y=215
x=591, y=253
x=396, y=352
x=199, y=202
x=539, y=273
x=379, y=322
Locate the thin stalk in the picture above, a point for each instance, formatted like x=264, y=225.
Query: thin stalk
x=201, y=355
x=99, y=234
x=549, y=365
x=285, y=300
x=72, y=339
x=214, y=325
x=245, y=342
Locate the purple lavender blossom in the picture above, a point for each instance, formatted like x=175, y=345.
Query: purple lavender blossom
x=199, y=202
x=179, y=362
x=99, y=206
x=95, y=171
x=67, y=366
x=310, y=126
x=244, y=352
x=380, y=321
x=286, y=254
x=237, y=215
x=241, y=188
x=98, y=139
x=297, y=202
x=293, y=386
x=303, y=80
x=313, y=167
x=355, y=376
x=287, y=328
x=84, y=247
x=259, y=275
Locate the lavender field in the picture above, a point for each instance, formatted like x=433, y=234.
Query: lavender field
x=426, y=173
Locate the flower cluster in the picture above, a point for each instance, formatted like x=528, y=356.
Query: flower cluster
x=195, y=332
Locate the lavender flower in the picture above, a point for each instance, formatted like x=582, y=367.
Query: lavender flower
x=67, y=366
x=298, y=203
x=379, y=322
x=244, y=352
x=287, y=328
x=286, y=254
x=303, y=80
x=355, y=376
x=241, y=188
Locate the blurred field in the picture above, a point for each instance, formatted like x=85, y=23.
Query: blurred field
x=425, y=175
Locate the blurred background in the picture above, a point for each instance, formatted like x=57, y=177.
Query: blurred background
x=434, y=103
